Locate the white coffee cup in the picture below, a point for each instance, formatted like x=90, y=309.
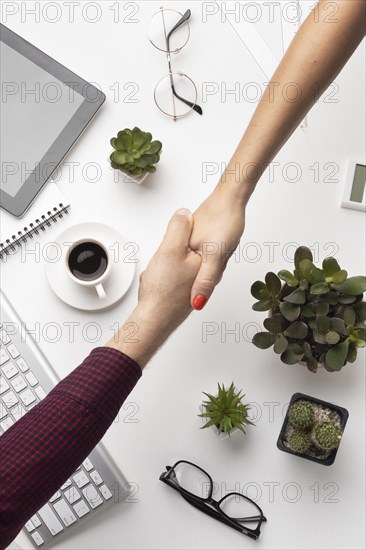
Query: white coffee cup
x=80, y=261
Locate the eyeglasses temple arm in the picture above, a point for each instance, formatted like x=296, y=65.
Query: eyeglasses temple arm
x=210, y=512
x=251, y=518
x=193, y=106
x=182, y=20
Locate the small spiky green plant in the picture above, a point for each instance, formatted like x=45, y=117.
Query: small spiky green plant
x=226, y=410
x=316, y=315
x=326, y=436
x=301, y=415
x=299, y=441
x=135, y=153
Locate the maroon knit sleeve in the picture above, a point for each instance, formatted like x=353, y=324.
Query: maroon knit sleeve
x=44, y=448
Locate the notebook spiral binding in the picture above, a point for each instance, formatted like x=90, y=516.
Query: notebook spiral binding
x=40, y=224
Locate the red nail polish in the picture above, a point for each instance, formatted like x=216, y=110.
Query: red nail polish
x=199, y=301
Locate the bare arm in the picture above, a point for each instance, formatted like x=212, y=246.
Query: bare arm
x=44, y=448
x=316, y=55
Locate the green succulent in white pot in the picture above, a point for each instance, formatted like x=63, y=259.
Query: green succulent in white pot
x=226, y=412
x=135, y=153
x=316, y=316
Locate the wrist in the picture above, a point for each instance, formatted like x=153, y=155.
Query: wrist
x=234, y=190
x=140, y=336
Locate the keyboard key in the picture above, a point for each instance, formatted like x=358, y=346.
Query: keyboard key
x=36, y=521
x=10, y=370
x=4, y=337
x=92, y=496
x=40, y=392
x=72, y=495
x=5, y=424
x=31, y=378
x=64, y=512
x=3, y=411
x=50, y=519
x=13, y=350
x=18, y=411
x=30, y=526
x=81, y=508
x=3, y=385
x=88, y=465
x=96, y=477
x=81, y=479
x=18, y=383
x=4, y=357
x=27, y=397
x=66, y=484
x=9, y=399
x=37, y=538
x=22, y=364
x=105, y=492
x=55, y=496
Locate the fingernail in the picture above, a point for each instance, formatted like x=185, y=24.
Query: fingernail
x=199, y=301
x=183, y=212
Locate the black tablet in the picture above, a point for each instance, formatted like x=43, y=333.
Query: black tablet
x=44, y=108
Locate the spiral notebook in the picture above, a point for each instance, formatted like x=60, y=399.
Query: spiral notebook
x=49, y=208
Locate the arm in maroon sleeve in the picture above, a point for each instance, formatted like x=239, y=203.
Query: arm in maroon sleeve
x=40, y=451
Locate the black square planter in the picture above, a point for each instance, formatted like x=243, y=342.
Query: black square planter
x=343, y=414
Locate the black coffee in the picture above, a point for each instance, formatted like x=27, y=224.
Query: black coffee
x=88, y=261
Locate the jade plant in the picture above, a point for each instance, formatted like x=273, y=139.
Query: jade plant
x=317, y=316
x=226, y=410
x=134, y=152
x=312, y=429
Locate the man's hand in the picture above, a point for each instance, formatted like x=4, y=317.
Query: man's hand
x=164, y=293
x=218, y=226
x=166, y=283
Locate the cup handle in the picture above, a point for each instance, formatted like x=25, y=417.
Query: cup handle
x=100, y=291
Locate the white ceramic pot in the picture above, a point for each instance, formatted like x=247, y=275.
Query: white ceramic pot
x=220, y=435
x=320, y=365
x=122, y=177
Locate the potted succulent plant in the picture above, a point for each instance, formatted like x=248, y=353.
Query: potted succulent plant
x=312, y=429
x=316, y=316
x=225, y=412
x=135, y=154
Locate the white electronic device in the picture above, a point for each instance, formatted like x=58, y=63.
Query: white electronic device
x=355, y=186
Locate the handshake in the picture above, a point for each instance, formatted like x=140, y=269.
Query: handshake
x=182, y=274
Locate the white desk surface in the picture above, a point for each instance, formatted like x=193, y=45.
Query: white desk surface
x=311, y=506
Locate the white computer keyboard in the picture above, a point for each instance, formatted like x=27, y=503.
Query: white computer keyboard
x=25, y=379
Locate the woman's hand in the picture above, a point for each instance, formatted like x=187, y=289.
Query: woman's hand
x=218, y=225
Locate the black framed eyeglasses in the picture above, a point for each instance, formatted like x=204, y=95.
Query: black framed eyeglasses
x=196, y=486
x=175, y=94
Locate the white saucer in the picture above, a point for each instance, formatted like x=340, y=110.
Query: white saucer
x=118, y=282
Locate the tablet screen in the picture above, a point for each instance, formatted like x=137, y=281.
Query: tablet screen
x=44, y=109
x=35, y=107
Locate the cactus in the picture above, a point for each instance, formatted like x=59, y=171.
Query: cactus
x=326, y=436
x=299, y=441
x=301, y=415
x=226, y=410
x=135, y=153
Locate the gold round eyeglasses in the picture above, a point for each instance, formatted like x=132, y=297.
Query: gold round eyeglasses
x=175, y=94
